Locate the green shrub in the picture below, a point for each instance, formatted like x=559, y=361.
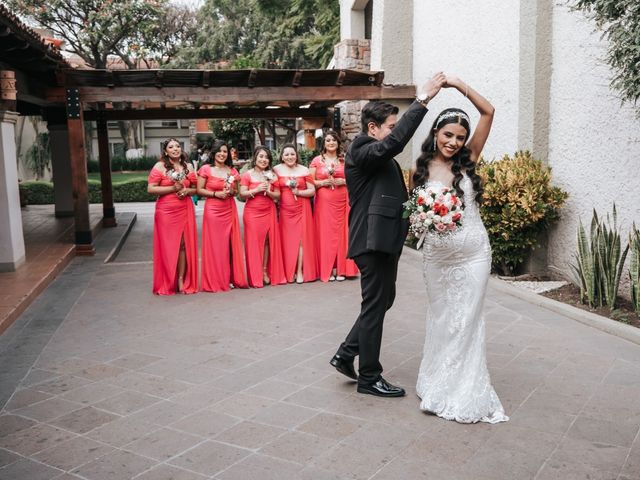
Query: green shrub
x=599, y=262
x=306, y=155
x=120, y=164
x=132, y=191
x=41, y=193
x=37, y=193
x=93, y=166
x=519, y=204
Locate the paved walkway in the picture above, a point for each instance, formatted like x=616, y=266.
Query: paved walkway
x=114, y=383
x=48, y=249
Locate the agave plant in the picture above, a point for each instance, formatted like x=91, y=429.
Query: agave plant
x=599, y=261
x=634, y=267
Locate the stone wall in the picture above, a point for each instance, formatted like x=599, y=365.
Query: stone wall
x=351, y=54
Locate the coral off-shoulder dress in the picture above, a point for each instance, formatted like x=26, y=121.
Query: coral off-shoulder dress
x=296, y=229
x=260, y=219
x=174, y=220
x=331, y=216
x=222, y=255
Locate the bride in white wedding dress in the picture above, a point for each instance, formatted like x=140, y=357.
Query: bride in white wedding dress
x=453, y=381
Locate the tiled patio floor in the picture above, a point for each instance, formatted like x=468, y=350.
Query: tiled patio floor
x=48, y=249
x=114, y=383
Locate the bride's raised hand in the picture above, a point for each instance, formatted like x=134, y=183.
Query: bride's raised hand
x=434, y=84
x=451, y=81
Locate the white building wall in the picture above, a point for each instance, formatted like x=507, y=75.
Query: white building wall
x=594, y=143
x=544, y=69
x=478, y=42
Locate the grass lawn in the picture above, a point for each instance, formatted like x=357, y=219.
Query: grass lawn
x=119, y=177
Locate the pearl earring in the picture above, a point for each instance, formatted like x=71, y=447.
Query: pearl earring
x=434, y=144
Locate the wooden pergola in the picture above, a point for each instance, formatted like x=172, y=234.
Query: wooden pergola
x=104, y=95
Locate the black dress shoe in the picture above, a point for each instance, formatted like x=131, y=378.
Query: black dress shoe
x=381, y=389
x=343, y=366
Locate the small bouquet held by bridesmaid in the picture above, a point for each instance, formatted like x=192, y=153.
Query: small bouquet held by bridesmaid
x=433, y=209
x=229, y=181
x=177, y=176
x=270, y=177
x=331, y=172
x=292, y=183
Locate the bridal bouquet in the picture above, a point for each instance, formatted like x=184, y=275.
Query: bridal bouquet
x=433, y=209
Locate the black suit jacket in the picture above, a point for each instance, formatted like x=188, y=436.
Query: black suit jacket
x=377, y=189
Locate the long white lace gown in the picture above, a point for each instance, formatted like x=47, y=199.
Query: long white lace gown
x=453, y=381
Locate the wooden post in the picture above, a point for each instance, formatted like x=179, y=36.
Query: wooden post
x=108, y=210
x=79, y=182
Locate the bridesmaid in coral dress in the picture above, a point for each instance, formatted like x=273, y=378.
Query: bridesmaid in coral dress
x=259, y=186
x=296, y=220
x=222, y=256
x=175, y=239
x=331, y=211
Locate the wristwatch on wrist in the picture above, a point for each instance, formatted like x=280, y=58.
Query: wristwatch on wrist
x=422, y=99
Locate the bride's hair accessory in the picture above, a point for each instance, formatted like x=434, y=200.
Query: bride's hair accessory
x=451, y=114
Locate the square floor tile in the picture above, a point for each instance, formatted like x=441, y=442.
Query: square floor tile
x=84, y=420
x=210, y=458
x=163, y=444
x=73, y=453
x=117, y=465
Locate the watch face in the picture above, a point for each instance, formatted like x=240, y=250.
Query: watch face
x=422, y=97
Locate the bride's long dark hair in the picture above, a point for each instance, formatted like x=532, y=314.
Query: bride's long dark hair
x=461, y=160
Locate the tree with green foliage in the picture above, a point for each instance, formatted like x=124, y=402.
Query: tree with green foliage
x=94, y=29
x=136, y=31
x=619, y=21
x=264, y=34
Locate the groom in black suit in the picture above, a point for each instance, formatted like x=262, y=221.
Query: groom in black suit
x=376, y=230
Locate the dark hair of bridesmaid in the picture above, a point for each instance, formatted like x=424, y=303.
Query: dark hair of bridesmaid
x=289, y=145
x=215, y=148
x=333, y=134
x=165, y=158
x=256, y=151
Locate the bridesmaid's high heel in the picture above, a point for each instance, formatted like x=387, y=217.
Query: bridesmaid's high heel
x=299, y=278
x=265, y=277
x=180, y=284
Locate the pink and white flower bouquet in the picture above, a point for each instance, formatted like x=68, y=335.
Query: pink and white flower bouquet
x=433, y=209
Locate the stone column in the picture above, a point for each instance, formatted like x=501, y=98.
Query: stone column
x=12, y=251
x=355, y=55
x=61, y=167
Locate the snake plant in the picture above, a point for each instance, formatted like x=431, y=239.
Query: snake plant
x=599, y=261
x=634, y=267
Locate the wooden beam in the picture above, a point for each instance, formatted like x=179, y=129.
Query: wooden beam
x=241, y=95
x=174, y=114
x=252, y=77
x=106, y=185
x=296, y=79
x=79, y=180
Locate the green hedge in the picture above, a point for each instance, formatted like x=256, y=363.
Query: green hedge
x=41, y=193
x=119, y=164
